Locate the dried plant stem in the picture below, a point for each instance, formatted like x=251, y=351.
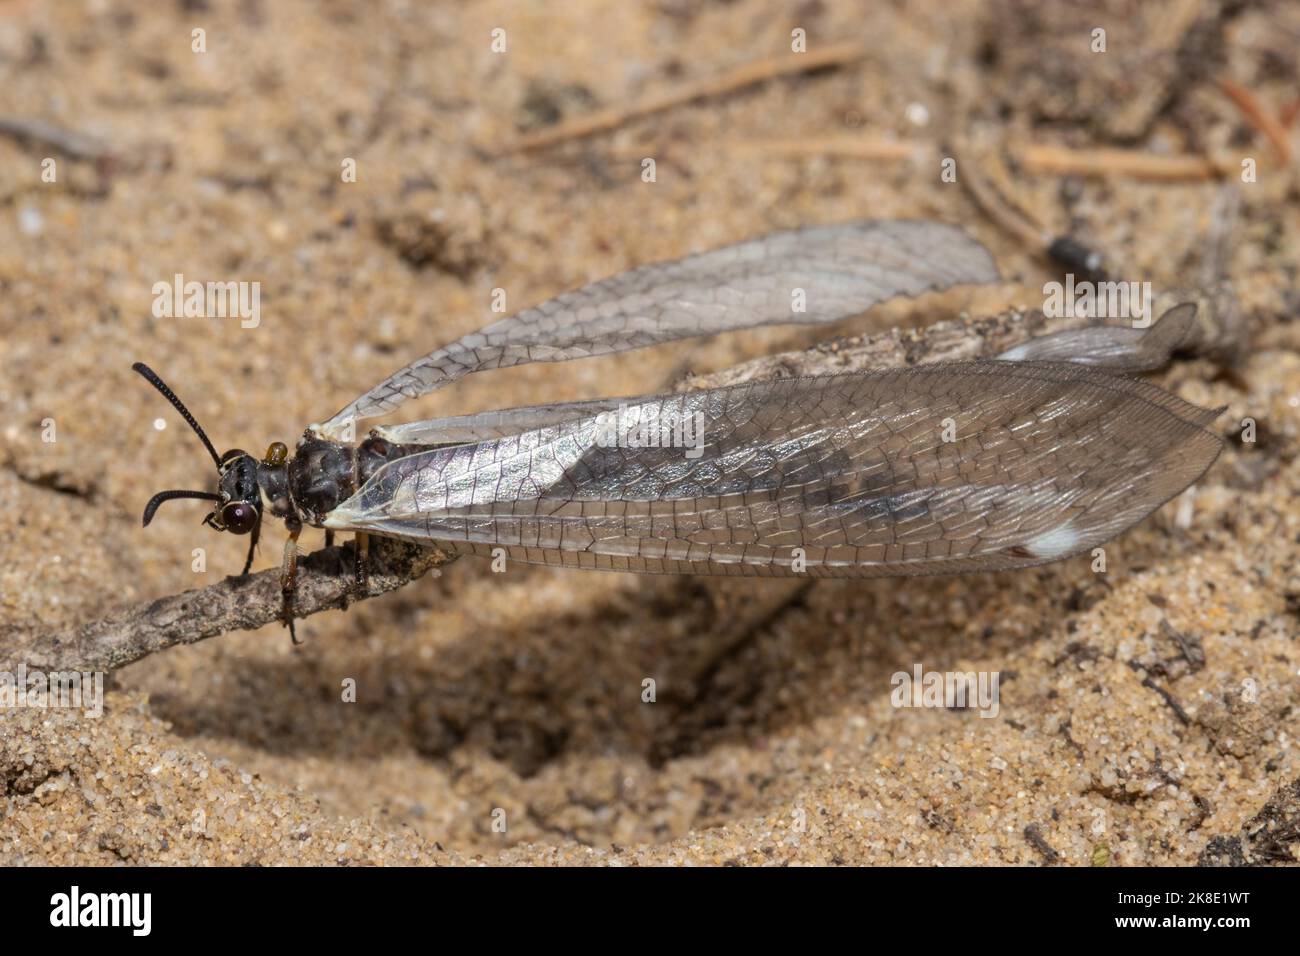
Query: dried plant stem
x=233, y=604
x=1036, y=158
x=742, y=77
x=1123, y=162
x=837, y=147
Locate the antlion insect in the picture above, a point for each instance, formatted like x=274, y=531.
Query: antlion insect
x=968, y=466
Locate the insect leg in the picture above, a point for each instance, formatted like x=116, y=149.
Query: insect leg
x=361, y=569
x=252, y=547
x=289, y=581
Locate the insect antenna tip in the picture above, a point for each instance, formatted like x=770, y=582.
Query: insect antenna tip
x=150, y=376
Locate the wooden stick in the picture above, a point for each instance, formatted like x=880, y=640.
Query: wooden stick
x=837, y=147
x=750, y=74
x=1121, y=162
x=1038, y=158
x=324, y=583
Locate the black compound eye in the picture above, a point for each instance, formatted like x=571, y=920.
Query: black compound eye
x=239, y=517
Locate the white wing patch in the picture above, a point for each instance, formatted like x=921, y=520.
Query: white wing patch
x=1058, y=542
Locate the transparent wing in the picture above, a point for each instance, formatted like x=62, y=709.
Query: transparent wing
x=481, y=426
x=839, y=271
x=1112, y=346
x=934, y=469
x=1118, y=348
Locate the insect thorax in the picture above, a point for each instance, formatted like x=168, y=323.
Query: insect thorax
x=323, y=474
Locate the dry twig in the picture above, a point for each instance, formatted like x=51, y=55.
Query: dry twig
x=232, y=604
x=1037, y=158
x=750, y=74
x=1123, y=162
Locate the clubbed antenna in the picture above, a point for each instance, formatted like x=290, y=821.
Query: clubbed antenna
x=152, y=378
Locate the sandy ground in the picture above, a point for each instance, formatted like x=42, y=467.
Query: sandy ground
x=1147, y=715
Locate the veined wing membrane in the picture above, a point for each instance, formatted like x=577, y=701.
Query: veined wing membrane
x=499, y=423
x=841, y=270
x=1117, y=348
x=934, y=469
x=1114, y=347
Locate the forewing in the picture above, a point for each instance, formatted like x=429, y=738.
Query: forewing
x=1116, y=348
x=498, y=423
x=941, y=468
x=816, y=275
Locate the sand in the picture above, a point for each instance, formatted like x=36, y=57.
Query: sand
x=1147, y=714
